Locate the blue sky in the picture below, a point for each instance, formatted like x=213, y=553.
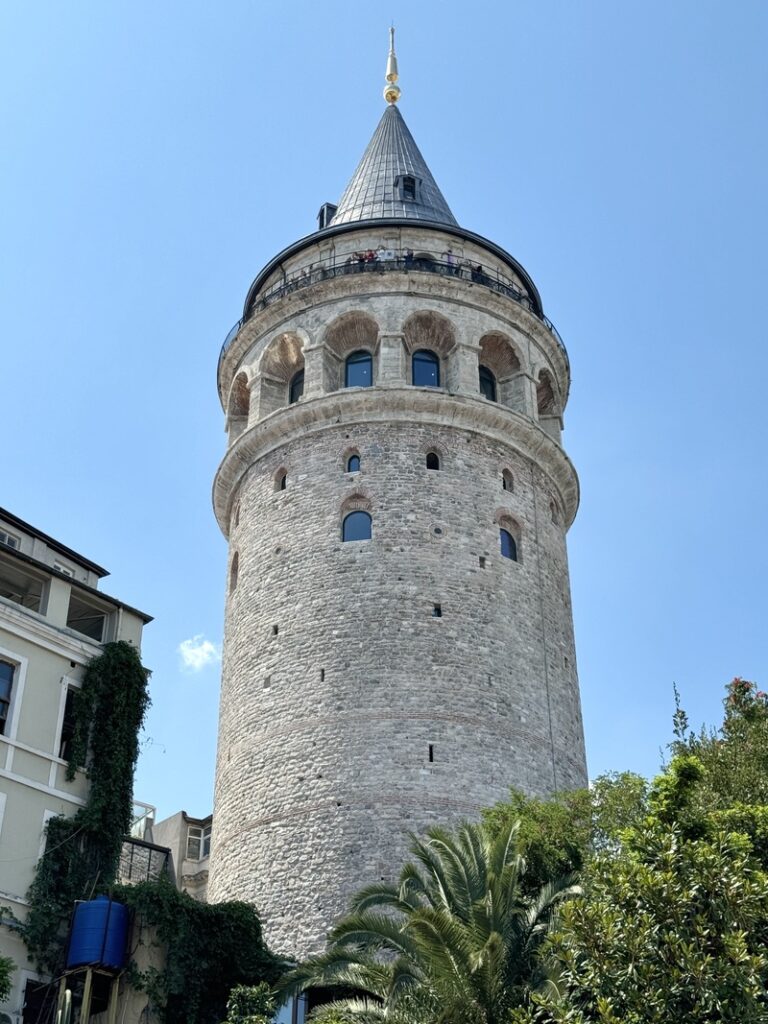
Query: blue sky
x=155, y=156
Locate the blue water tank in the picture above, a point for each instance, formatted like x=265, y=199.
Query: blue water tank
x=99, y=934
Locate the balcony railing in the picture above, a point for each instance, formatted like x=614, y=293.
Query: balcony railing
x=141, y=861
x=400, y=260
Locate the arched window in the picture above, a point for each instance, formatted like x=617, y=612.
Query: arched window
x=353, y=464
x=507, y=481
x=433, y=460
x=508, y=545
x=281, y=479
x=356, y=526
x=487, y=384
x=297, y=387
x=233, y=571
x=358, y=371
x=425, y=369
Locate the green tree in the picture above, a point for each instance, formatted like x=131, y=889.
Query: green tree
x=672, y=926
x=250, y=1004
x=455, y=941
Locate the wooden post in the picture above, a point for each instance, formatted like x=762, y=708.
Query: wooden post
x=112, y=1012
x=85, y=1009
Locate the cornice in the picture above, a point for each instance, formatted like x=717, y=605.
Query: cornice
x=408, y=406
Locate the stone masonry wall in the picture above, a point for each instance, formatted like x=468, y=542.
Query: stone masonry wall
x=338, y=679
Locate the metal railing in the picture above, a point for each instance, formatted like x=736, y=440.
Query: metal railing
x=141, y=861
x=401, y=260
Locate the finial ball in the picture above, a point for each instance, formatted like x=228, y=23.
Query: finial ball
x=391, y=93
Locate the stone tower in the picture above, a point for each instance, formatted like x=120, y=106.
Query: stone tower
x=399, y=641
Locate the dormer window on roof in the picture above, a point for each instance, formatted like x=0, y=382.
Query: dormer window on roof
x=407, y=185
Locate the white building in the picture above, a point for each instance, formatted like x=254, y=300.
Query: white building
x=53, y=620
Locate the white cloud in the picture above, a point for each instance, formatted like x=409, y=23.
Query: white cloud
x=197, y=652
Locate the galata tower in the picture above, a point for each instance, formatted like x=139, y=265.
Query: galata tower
x=399, y=643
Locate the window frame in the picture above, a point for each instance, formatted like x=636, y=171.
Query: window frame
x=354, y=457
x=419, y=357
x=512, y=545
x=5, y=719
x=357, y=358
x=296, y=381
x=349, y=515
x=487, y=381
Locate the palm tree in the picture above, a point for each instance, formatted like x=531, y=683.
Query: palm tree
x=455, y=941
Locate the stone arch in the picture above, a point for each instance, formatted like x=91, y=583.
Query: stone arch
x=507, y=522
x=503, y=358
x=434, y=332
x=351, y=332
x=548, y=404
x=280, y=479
x=357, y=501
x=280, y=361
x=351, y=452
x=238, y=408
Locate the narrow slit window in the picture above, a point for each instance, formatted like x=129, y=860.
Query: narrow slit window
x=296, y=389
x=233, y=572
x=431, y=753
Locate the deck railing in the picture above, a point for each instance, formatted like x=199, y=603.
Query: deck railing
x=401, y=260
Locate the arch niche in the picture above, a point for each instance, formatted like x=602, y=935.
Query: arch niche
x=280, y=369
x=349, y=335
x=500, y=355
x=430, y=332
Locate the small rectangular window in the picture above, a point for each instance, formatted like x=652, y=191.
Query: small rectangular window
x=86, y=618
x=207, y=841
x=437, y=611
x=482, y=562
x=64, y=569
x=67, y=725
x=7, y=671
x=431, y=753
x=194, y=842
x=22, y=587
x=8, y=539
x=409, y=187
x=274, y=630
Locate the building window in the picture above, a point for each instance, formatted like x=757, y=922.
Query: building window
x=6, y=685
x=353, y=464
x=233, y=571
x=356, y=526
x=425, y=369
x=21, y=587
x=409, y=187
x=8, y=539
x=433, y=460
x=67, y=725
x=487, y=384
x=508, y=545
x=358, y=370
x=64, y=569
x=507, y=481
x=296, y=389
x=198, y=842
x=86, y=618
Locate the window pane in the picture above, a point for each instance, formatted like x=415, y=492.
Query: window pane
x=353, y=466
x=508, y=546
x=297, y=387
x=487, y=384
x=426, y=369
x=357, y=526
x=359, y=370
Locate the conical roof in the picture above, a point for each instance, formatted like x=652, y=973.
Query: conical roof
x=375, y=190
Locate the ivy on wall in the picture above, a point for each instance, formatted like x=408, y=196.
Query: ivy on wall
x=82, y=853
x=208, y=950
x=203, y=950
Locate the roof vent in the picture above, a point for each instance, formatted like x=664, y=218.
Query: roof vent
x=325, y=216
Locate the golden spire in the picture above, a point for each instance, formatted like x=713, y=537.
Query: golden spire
x=391, y=89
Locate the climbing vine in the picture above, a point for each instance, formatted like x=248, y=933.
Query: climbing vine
x=82, y=853
x=208, y=950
